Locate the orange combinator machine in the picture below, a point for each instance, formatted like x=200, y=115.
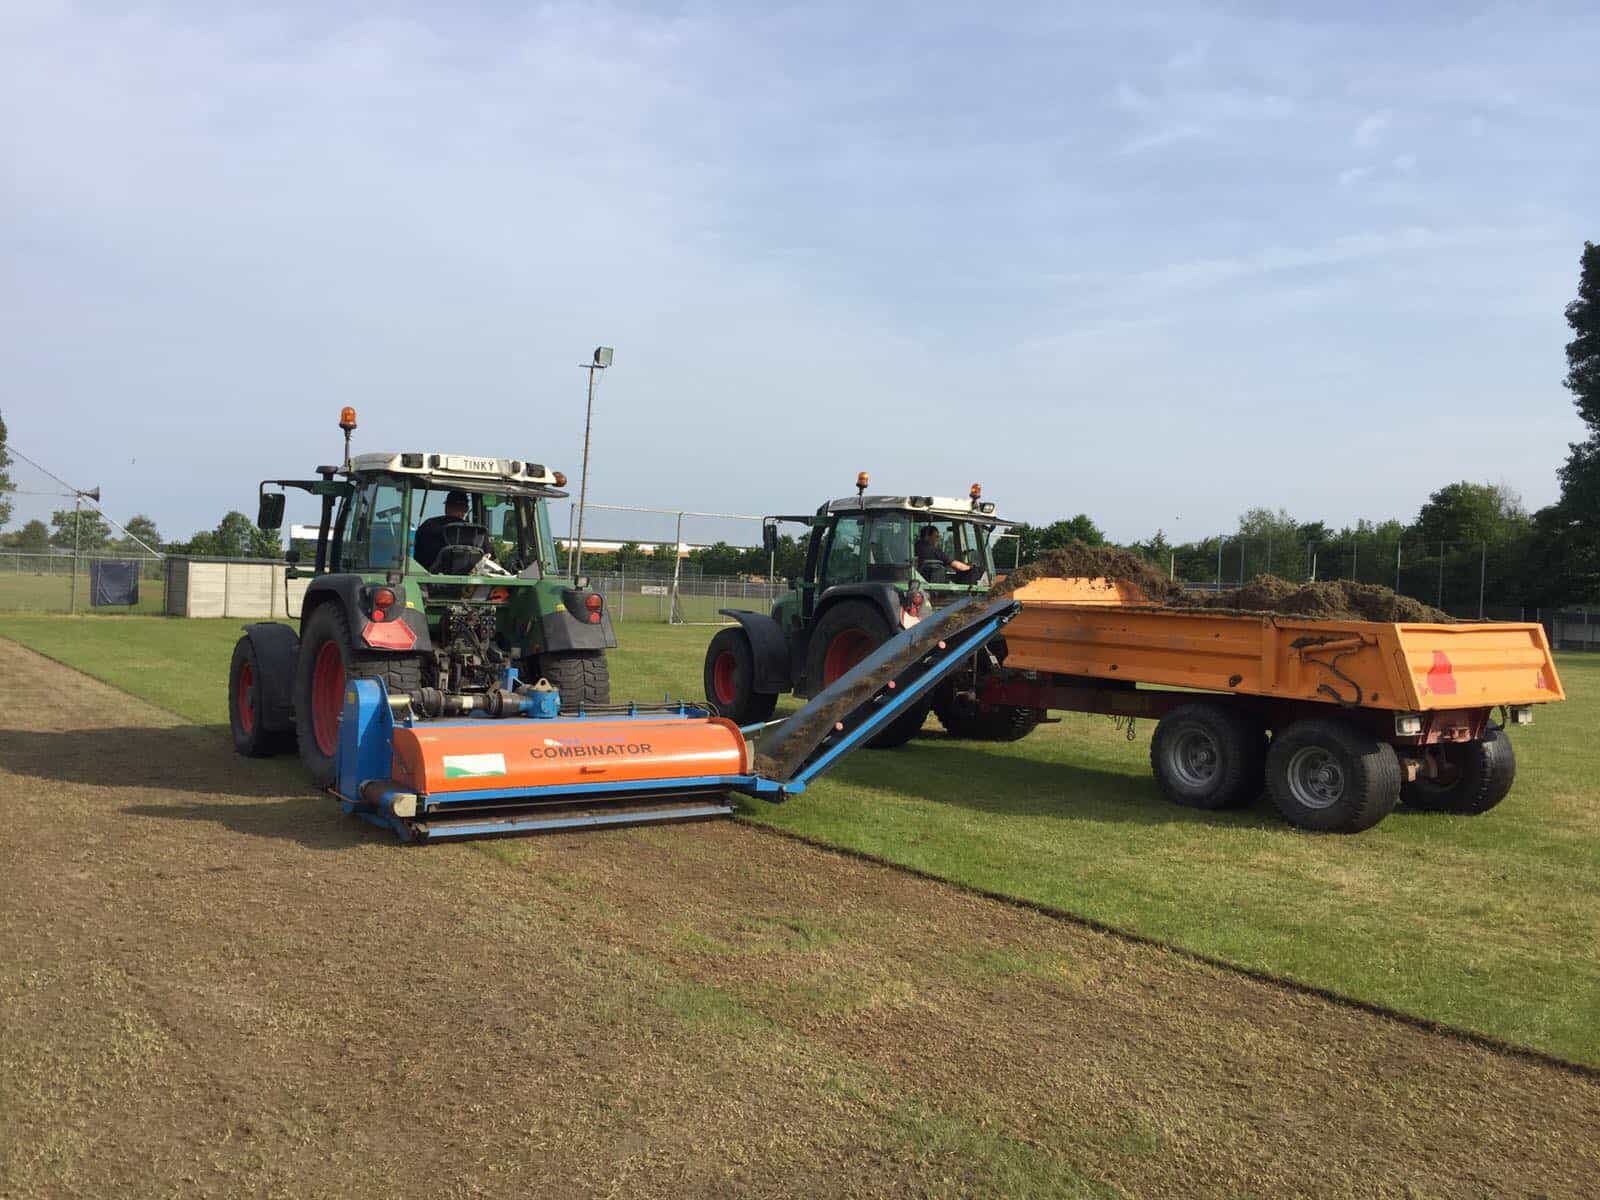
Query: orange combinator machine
x=514, y=763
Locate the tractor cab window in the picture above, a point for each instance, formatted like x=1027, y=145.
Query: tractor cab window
x=842, y=563
x=371, y=529
x=889, y=538
x=940, y=541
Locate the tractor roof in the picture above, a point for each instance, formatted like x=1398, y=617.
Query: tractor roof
x=465, y=471
x=940, y=506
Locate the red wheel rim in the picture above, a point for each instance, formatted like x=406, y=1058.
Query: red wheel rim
x=844, y=652
x=722, y=678
x=327, y=697
x=246, y=697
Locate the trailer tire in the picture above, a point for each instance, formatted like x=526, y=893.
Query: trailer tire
x=583, y=677
x=327, y=658
x=1481, y=775
x=248, y=717
x=1208, y=757
x=1329, y=777
x=843, y=636
x=730, y=672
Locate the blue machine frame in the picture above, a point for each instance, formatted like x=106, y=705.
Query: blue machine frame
x=366, y=737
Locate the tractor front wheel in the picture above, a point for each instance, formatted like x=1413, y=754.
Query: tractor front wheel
x=247, y=708
x=328, y=657
x=581, y=676
x=845, y=635
x=730, y=676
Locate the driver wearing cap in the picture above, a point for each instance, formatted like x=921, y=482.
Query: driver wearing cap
x=432, y=537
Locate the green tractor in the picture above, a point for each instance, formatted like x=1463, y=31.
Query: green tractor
x=874, y=565
x=490, y=608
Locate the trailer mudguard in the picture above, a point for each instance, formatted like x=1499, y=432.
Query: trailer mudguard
x=345, y=590
x=560, y=630
x=276, y=646
x=768, y=647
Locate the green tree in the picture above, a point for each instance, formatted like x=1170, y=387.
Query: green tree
x=92, y=532
x=1036, y=538
x=1570, y=537
x=6, y=486
x=142, y=528
x=1471, y=512
x=34, y=538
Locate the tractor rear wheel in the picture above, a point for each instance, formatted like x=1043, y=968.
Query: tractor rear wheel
x=247, y=708
x=581, y=676
x=845, y=635
x=328, y=657
x=963, y=717
x=730, y=676
x=1475, y=777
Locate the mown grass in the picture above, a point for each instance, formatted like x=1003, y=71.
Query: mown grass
x=1490, y=923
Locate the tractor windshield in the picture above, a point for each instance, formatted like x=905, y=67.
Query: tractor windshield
x=940, y=541
x=508, y=526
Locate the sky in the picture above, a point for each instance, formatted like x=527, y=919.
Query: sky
x=1159, y=264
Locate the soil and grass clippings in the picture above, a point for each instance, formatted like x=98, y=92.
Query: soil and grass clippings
x=1331, y=599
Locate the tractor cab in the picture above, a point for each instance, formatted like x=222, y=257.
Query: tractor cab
x=874, y=565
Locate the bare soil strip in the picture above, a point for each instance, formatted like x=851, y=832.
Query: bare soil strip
x=213, y=984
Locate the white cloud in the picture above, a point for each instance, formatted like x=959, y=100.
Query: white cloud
x=1351, y=176
x=1371, y=129
x=1405, y=163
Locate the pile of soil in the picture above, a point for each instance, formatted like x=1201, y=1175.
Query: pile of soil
x=1082, y=561
x=1334, y=599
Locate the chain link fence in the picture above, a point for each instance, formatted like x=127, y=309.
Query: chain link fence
x=61, y=583
x=690, y=599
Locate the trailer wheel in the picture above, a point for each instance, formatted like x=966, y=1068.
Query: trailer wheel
x=846, y=634
x=730, y=672
x=1207, y=756
x=583, y=677
x=327, y=658
x=247, y=708
x=1330, y=777
x=1475, y=777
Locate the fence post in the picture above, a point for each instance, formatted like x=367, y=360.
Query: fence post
x=1219, y=564
x=1397, y=546
x=1440, y=602
x=1483, y=574
x=77, y=529
x=677, y=571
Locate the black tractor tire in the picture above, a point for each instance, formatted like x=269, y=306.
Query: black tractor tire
x=1327, y=776
x=583, y=677
x=325, y=639
x=247, y=709
x=963, y=717
x=846, y=628
x=730, y=673
x=1208, y=756
x=1478, y=776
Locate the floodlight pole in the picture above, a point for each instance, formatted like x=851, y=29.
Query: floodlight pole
x=77, y=528
x=600, y=361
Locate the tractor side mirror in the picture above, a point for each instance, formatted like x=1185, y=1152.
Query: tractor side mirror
x=769, y=538
x=292, y=556
x=270, y=514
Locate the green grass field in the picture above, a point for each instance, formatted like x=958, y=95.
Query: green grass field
x=1489, y=923
x=21, y=591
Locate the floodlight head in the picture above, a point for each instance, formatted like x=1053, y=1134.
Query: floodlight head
x=92, y=494
x=602, y=356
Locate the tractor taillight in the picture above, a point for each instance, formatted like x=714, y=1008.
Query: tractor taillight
x=594, y=602
x=383, y=598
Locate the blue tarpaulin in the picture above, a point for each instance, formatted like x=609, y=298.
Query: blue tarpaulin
x=113, y=581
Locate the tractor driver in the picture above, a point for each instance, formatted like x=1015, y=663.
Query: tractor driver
x=930, y=549
x=432, y=536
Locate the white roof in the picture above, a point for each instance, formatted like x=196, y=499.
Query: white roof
x=463, y=469
x=944, y=506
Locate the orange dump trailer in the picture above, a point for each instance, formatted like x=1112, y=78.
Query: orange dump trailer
x=1338, y=720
